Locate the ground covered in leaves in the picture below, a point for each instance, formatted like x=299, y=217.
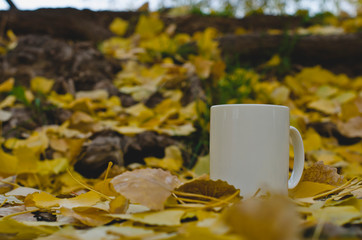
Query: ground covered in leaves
x=112, y=142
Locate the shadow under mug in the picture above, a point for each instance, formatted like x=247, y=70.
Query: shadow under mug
x=249, y=148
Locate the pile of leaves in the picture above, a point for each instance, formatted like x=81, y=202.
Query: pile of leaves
x=89, y=162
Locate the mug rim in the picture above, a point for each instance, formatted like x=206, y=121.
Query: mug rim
x=249, y=105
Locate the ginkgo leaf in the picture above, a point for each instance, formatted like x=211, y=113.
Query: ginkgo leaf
x=168, y=217
x=118, y=205
x=351, y=128
x=149, y=26
x=46, y=200
x=20, y=230
x=89, y=216
x=11, y=199
x=22, y=191
x=325, y=106
x=149, y=187
x=307, y=189
x=7, y=85
x=172, y=161
x=216, y=189
x=41, y=84
x=337, y=215
x=323, y=174
x=118, y=26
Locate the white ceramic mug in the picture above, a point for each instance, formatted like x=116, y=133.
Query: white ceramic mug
x=249, y=148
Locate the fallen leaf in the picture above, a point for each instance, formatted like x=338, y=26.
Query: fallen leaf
x=325, y=106
x=321, y=173
x=149, y=187
x=10, y=199
x=19, y=230
x=89, y=216
x=41, y=84
x=22, y=191
x=202, y=165
x=351, y=128
x=264, y=219
x=118, y=205
x=172, y=161
x=307, y=189
x=7, y=85
x=168, y=217
x=216, y=189
x=118, y=26
x=337, y=215
x=5, y=115
x=46, y=200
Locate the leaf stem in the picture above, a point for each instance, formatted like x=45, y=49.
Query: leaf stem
x=88, y=187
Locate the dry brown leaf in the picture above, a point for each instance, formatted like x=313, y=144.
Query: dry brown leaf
x=322, y=174
x=352, y=128
x=216, y=189
x=263, y=219
x=149, y=187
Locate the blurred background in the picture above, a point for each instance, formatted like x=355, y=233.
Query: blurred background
x=237, y=8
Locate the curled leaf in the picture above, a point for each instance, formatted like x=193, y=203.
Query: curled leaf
x=149, y=187
x=323, y=174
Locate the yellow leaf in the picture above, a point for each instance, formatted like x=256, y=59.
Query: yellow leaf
x=149, y=187
x=27, y=160
x=349, y=110
x=118, y=26
x=53, y=166
x=38, y=142
x=89, y=216
x=46, y=200
x=202, y=165
x=337, y=215
x=203, y=66
x=326, y=91
x=208, y=46
x=172, y=161
x=7, y=85
x=273, y=61
x=105, y=187
x=280, y=95
x=20, y=230
x=8, y=163
x=98, y=94
x=325, y=106
x=312, y=140
x=149, y=26
x=307, y=189
x=130, y=130
x=118, y=205
x=169, y=217
x=59, y=144
x=8, y=102
x=41, y=84
x=195, y=232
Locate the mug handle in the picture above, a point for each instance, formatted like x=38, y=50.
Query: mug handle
x=298, y=149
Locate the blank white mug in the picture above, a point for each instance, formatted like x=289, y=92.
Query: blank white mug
x=249, y=148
